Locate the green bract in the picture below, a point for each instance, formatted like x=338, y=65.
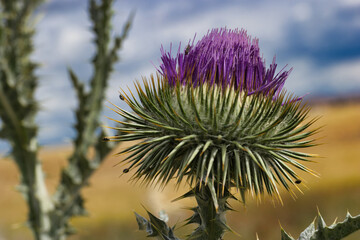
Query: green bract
x=212, y=134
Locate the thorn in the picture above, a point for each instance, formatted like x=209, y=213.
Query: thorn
x=321, y=222
x=280, y=224
x=285, y=235
x=334, y=223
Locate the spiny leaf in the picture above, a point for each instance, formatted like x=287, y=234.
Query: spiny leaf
x=336, y=231
x=155, y=227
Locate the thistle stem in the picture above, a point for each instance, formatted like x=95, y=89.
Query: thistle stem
x=210, y=216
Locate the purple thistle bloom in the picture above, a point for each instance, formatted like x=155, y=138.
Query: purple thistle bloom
x=223, y=57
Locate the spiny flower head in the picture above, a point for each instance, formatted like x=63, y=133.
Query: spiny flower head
x=215, y=116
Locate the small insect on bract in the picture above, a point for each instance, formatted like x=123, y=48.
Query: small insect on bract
x=187, y=49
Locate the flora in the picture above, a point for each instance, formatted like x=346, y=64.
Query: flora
x=216, y=117
x=49, y=215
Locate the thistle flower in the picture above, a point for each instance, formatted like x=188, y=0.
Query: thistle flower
x=217, y=117
x=223, y=57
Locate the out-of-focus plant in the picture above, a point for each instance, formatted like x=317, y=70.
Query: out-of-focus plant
x=49, y=215
x=335, y=231
x=216, y=117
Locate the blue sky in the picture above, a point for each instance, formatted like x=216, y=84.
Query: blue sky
x=320, y=39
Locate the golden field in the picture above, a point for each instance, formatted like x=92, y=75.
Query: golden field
x=111, y=200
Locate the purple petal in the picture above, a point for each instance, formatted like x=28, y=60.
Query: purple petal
x=220, y=57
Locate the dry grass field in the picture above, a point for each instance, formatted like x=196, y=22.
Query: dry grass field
x=111, y=200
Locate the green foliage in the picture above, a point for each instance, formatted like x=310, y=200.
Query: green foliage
x=18, y=107
x=335, y=231
x=81, y=167
x=212, y=224
x=215, y=138
x=210, y=213
x=155, y=227
x=206, y=133
x=49, y=216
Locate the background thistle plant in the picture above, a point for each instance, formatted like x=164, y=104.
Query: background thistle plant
x=218, y=118
x=49, y=216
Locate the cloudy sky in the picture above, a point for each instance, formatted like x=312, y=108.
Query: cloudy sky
x=320, y=39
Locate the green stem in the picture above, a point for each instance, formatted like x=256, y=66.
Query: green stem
x=18, y=108
x=210, y=214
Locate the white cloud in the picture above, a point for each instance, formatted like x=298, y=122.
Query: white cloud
x=303, y=77
x=302, y=11
x=71, y=41
x=349, y=3
x=62, y=38
x=345, y=75
x=337, y=78
x=57, y=102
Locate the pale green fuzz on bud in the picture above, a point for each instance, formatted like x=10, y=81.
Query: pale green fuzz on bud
x=215, y=134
